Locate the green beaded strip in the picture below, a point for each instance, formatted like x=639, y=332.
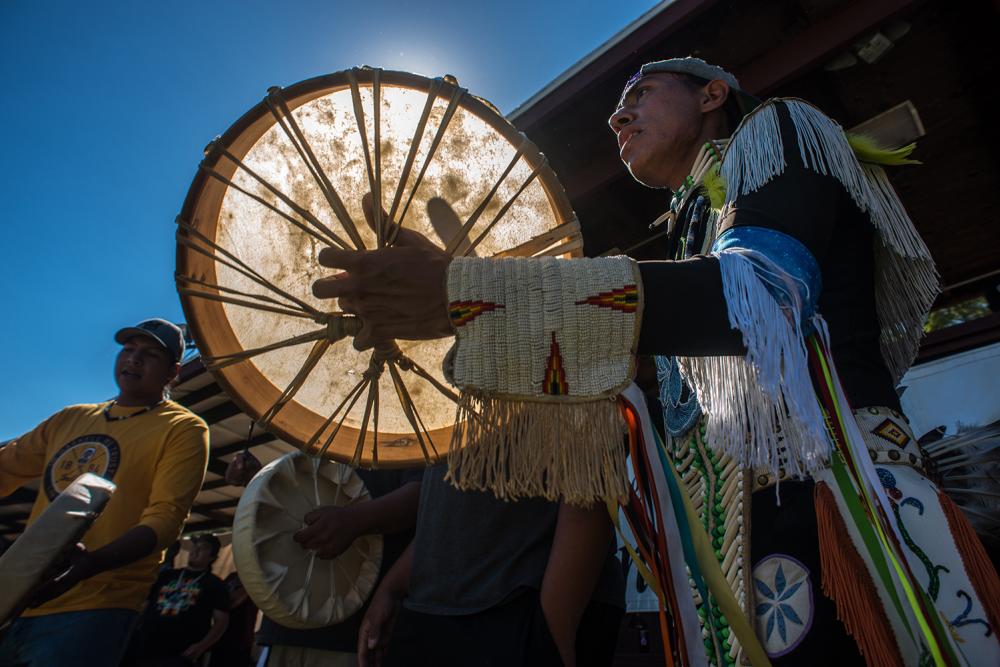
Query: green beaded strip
x=705, y=475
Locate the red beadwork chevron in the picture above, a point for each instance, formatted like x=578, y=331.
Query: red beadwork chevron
x=555, y=377
x=624, y=299
x=463, y=312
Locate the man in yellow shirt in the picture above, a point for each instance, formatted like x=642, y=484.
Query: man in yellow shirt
x=156, y=452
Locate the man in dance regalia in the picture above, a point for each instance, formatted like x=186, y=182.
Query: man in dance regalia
x=796, y=291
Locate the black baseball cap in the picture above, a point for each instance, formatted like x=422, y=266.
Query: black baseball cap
x=209, y=539
x=167, y=334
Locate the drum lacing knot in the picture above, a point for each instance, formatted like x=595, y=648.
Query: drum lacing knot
x=374, y=370
x=338, y=325
x=390, y=352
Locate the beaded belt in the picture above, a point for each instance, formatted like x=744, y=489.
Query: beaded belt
x=887, y=435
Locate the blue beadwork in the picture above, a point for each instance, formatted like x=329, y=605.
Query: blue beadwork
x=793, y=258
x=963, y=618
x=680, y=403
x=887, y=478
x=776, y=604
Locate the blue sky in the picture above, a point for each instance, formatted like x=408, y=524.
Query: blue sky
x=107, y=106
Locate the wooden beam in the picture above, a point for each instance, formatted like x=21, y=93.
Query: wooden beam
x=598, y=175
x=816, y=44
x=190, y=369
x=14, y=520
x=213, y=484
x=198, y=526
x=218, y=467
x=202, y=508
x=199, y=395
x=256, y=441
x=220, y=412
x=213, y=515
x=803, y=52
x=20, y=496
x=960, y=338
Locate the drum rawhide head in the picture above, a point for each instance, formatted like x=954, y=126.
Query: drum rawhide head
x=48, y=539
x=287, y=180
x=291, y=585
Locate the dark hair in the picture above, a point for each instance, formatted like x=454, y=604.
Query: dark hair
x=211, y=540
x=731, y=107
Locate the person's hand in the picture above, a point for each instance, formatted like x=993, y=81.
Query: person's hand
x=242, y=468
x=376, y=626
x=193, y=652
x=397, y=292
x=72, y=568
x=331, y=530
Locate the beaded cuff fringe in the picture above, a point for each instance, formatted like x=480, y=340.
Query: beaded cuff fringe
x=571, y=452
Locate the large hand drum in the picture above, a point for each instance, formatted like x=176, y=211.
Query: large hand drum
x=24, y=566
x=286, y=181
x=289, y=584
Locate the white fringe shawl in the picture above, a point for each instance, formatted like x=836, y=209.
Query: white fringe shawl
x=761, y=409
x=906, y=281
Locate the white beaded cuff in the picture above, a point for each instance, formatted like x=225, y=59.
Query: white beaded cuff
x=544, y=346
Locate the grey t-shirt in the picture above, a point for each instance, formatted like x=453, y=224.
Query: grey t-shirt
x=473, y=551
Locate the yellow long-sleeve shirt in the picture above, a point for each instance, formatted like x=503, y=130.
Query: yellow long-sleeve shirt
x=157, y=459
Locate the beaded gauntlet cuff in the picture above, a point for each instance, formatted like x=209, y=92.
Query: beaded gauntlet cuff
x=544, y=347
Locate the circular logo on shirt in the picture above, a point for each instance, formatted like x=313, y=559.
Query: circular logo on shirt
x=98, y=454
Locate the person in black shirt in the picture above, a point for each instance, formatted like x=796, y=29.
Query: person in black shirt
x=235, y=646
x=187, y=612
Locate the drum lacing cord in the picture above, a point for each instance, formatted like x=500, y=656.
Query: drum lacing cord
x=458, y=241
x=385, y=236
x=191, y=238
x=503, y=209
x=418, y=134
x=373, y=166
x=318, y=231
x=276, y=103
x=339, y=325
x=453, y=104
x=390, y=358
x=336, y=327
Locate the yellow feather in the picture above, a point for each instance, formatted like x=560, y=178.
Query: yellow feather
x=865, y=148
x=716, y=187
x=869, y=150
